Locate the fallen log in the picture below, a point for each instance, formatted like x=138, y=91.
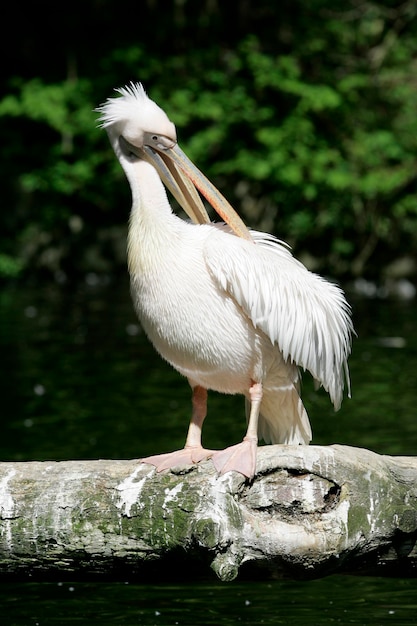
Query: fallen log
x=310, y=511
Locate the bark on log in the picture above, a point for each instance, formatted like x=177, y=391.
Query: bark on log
x=310, y=511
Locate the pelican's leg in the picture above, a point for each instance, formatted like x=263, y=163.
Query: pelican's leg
x=193, y=452
x=242, y=457
x=193, y=441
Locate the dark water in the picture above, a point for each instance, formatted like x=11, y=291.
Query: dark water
x=336, y=600
x=79, y=380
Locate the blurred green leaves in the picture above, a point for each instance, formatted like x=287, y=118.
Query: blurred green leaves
x=309, y=128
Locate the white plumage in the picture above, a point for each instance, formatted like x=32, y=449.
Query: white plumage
x=237, y=314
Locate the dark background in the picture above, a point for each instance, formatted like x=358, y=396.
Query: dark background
x=303, y=113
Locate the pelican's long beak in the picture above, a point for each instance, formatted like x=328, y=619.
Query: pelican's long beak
x=182, y=178
x=180, y=186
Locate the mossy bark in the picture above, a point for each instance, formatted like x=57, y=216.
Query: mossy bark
x=309, y=512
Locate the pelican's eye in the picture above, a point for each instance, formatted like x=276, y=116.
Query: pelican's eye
x=158, y=142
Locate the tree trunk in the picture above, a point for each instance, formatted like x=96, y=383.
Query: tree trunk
x=309, y=512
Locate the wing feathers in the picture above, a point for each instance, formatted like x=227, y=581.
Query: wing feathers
x=305, y=315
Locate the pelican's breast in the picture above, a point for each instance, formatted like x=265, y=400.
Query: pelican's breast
x=193, y=324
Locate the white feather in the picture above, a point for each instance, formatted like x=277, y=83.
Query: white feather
x=304, y=315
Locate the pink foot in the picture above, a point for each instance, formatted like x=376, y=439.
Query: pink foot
x=190, y=455
x=239, y=458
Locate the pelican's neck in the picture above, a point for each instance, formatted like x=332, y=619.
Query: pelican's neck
x=152, y=224
x=148, y=193
x=149, y=198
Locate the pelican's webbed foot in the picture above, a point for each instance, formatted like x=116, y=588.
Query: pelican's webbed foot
x=239, y=458
x=190, y=455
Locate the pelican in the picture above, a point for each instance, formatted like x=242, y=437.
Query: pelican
x=228, y=307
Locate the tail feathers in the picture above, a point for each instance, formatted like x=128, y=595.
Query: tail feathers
x=283, y=418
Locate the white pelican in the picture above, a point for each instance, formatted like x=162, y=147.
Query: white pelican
x=230, y=309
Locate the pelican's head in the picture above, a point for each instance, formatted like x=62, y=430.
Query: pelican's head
x=139, y=129
x=137, y=118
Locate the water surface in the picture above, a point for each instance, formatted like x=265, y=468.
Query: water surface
x=336, y=600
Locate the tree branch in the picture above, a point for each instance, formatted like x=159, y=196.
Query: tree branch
x=310, y=511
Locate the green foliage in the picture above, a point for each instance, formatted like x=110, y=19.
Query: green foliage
x=9, y=267
x=308, y=127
